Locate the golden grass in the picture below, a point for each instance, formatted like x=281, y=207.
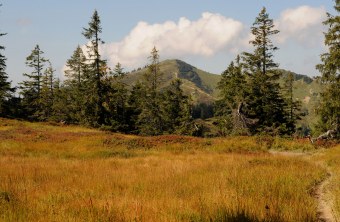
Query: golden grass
x=69, y=173
x=164, y=187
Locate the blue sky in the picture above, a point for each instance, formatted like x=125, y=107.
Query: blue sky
x=206, y=34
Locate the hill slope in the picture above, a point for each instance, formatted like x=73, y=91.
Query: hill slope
x=199, y=84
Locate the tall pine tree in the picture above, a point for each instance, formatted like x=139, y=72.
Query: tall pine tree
x=75, y=86
x=329, y=109
x=232, y=88
x=31, y=88
x=264, y=101
x=96, y=72
x=150, y=120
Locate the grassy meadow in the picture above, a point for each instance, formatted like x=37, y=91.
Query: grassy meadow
x=69, y=173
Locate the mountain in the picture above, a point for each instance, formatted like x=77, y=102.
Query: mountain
x=201, y=85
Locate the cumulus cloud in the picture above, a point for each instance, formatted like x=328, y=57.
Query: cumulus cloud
x=204, y=37
x=303, y=24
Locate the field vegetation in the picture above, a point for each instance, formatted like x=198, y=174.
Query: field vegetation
x=70, y=173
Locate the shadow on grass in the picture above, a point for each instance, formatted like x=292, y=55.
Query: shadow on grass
x=222, y=216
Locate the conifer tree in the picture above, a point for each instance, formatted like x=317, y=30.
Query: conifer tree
x=62, y=111
x=176, y=107
x=46, y=99
x=96, y=72
x=329, y=109
x=134, y=109
x=264, y=101
x=150, y=120
x=75, y=85
x=31, y=88
x=76, y=69
x=293, y=106
x=232, y=88
x=6, y=90
x=116, y=99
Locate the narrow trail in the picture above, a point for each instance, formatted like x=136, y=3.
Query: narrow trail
x=324, y=210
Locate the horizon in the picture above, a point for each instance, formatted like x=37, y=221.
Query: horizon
x=207, y=36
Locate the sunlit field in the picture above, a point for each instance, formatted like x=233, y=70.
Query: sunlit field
x=69, y=173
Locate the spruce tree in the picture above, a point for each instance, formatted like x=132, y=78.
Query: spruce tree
x=6, y=91
x=31, y=88
x=264, y=101
x=96, y=72
x=75, y=85
x=46, y=99
x=116, y=98
x=176, y=109
x=76, y=69
x=150, y=120
x=62, y=110
x=329, y=109
x=232, y=88
x=293, y=107
x=134, y=109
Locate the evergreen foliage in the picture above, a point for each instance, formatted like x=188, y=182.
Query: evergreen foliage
x=263, y=99
x=94, y=110
x=75, y=86
x=6, y=91
x=135, y=102
x=150, y=120
x=293, y=107
x=176, y=107
x=232, y=88
x=32, y=87
x=46, y=99
x=116, y=97
x=329, y=109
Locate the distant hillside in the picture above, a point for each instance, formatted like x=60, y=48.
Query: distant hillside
x=297, y=77
x=199, y=84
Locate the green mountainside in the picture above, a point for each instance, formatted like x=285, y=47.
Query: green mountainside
x=201, y=85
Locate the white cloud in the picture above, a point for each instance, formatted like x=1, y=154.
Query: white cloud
x=204, y=37
x=303, y=24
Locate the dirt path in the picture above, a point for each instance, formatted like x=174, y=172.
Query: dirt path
x=324, y=211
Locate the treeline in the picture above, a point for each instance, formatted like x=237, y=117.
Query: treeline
x=251, y=99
